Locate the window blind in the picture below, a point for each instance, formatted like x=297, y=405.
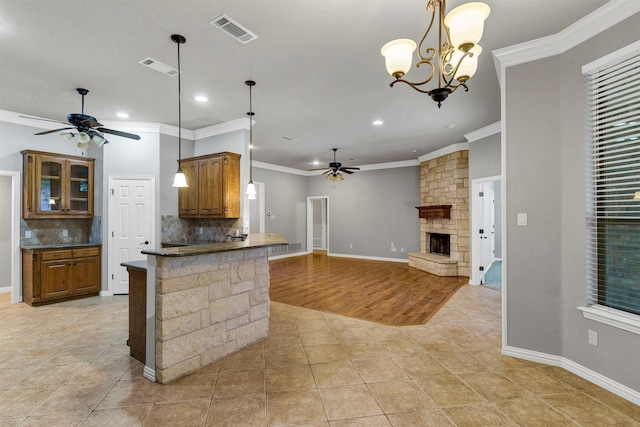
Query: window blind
x=613, y=178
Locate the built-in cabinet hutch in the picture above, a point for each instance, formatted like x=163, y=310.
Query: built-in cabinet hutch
x=58, y=187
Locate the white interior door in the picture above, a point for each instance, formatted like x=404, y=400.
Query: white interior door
x=487, y=234
x=132, y=226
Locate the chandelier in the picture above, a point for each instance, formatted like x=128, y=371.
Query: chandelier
x=455, y=59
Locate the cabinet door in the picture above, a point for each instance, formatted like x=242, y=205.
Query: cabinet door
x=188, y=196
x=80, y=191
x=210, y=191
x=55, y=277
x=49, y=186
x=85, y=275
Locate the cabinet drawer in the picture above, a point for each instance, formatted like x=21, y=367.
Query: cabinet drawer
x=84, y=252
x=49, y=255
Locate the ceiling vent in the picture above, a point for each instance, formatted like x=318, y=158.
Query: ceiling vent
x=233, y=28
x=159, y=67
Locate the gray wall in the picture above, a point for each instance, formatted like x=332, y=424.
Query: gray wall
x=369, y=210
x=5, y=231
x=545, y=177
x=286, y=199
x=372, y=209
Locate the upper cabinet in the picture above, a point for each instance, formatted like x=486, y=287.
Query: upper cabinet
x=214, y=186
x=56, y=186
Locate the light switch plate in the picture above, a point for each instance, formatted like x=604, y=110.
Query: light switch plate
x=522, y=218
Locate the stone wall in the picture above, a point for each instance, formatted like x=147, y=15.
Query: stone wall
x=445, y=181
x=208, y=306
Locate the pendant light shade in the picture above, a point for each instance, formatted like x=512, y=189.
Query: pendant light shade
x=179, y=180
x=251, y=188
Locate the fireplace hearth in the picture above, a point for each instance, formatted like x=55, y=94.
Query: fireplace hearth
x=439, y=244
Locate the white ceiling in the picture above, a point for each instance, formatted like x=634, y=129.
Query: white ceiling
x=317, y=64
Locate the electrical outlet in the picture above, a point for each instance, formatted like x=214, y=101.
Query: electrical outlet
x=593, y=337
x=65, y=233
x=401, y=249
x=350, y=245
x=28, y=234
x=200, y=231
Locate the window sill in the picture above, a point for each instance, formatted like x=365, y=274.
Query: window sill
x=612, y=317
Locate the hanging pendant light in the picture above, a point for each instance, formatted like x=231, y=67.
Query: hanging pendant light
x=179, y=180
x=251, y=188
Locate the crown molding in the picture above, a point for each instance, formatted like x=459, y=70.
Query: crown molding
x=221, y=128
x=603, y=18
x=284, y=169
x=376, y=166
x=484, y=132
x=444, y=151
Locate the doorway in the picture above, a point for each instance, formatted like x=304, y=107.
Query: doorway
x=10, y=233
x=131, y=226
x=486, y=226
x=318, y=224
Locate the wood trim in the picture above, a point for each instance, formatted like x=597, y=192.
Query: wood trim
x=434, y=212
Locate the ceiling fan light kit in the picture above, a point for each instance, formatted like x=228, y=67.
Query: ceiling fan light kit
x=454, y=61
x=179, y=180
x=333, y=173
x=87, y=127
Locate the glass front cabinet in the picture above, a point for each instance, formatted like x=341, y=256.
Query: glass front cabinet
x=57, y=186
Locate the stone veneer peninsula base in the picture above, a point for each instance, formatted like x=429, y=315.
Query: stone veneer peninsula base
x=208, y=301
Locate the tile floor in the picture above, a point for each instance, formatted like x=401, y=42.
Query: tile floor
x=68, y=365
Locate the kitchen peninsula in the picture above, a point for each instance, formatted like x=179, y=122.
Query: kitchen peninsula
x=205, y=302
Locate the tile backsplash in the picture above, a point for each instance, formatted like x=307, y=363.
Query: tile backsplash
x=176, y=229
x=52, y=231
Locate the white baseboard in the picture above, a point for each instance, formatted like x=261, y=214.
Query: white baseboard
x=149, y=373
x=5, y=289
x=571, y=366
x=374, y=258
x=288, y=255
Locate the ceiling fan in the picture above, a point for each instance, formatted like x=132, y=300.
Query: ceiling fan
x=89, y=129
x=333, y=173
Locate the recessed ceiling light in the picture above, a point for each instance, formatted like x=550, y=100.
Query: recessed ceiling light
x=201, y=98
x=122, y=115
x=414, y=151
x=316, y=163
x=450, y=126
x=377, y=122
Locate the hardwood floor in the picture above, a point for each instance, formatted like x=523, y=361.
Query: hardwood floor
x=379, y=291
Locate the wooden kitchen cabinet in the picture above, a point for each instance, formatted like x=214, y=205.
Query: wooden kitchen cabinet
x=54, y=275
x=56, y=186
x=214, y=186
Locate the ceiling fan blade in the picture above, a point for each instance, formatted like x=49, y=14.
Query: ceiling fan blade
x=44, y=120
x=51, y=131
x=350, y=167
x=317, y=169
x=119, y=133
x=345, y=171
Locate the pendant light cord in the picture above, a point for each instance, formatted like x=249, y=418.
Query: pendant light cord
x=250, y=137
x=179, y=110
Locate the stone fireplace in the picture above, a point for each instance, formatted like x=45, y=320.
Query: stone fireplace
x=444, y=211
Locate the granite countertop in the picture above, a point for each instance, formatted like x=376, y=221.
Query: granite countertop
x=254, y=240
x=141, y=265
x=61, y=246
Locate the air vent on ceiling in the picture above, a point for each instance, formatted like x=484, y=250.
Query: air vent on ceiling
x=159, y=66
x=233, y=28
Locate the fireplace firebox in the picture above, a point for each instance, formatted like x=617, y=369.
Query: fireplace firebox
x=439, y=244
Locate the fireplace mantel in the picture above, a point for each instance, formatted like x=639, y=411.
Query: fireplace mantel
x=434, y=212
